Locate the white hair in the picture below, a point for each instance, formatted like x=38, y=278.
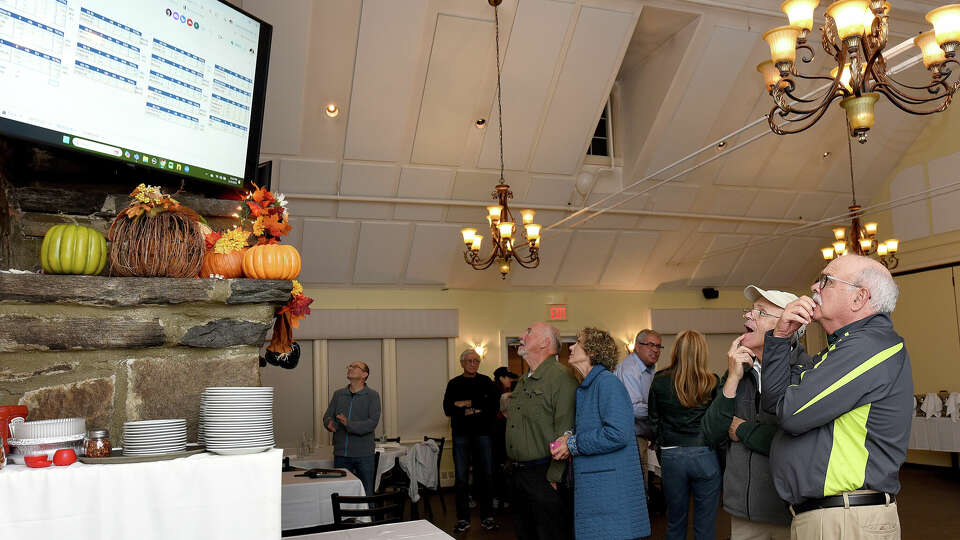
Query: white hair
x=883, y=290
x=555, y=339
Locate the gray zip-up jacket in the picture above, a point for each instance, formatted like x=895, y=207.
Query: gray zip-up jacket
x=846, y=424
x=363, y=414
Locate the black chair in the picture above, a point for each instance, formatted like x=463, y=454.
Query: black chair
x=381, y=509
x=394, y=439
x=427, y=491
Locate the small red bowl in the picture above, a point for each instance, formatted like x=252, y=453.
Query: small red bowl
x=37, y=462
x=64, y=456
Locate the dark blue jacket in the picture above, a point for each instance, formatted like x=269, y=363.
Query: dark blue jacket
x=609, y=498
x=363, y=414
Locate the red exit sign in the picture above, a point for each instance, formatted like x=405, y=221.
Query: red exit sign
x=558, y=313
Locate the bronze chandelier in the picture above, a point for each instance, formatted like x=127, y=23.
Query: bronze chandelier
x=855, y=35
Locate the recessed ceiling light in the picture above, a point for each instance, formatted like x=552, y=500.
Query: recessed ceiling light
x=481, y=123
x=721, y=145
x=332, y=110
x=827, y=154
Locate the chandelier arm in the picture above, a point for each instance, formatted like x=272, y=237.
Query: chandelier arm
x=827, y=98
x=532, y=261
x=479, y=264
x=791, y=108
x=806, y=59
x=901, y=103
x=815, y=114
x=933, y=88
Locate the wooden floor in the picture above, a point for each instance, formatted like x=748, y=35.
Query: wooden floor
x=929, y=507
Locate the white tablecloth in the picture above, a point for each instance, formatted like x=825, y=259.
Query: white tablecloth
x=204, y=496
x=419, y=530
x=306, y=501
x=941, y=434
x=388, y=460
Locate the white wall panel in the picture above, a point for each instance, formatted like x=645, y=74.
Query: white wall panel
x=283, y=116
x=550, y=190
x=718, y=262
x=755, y=262
x=586, y=258
x=382, y=252
x=306, y=176
x=528, y=67
x=421, y=379
x=630, y=254
x=418, y=212
x=436, y=250
x=424, y=183
x=293, y=397
x=944, y=171
x=461, y=61
x=370, y=180
x=592, y=61
x=364, y=210
x=553, y=248
x=910, y=221
x=328, y=251
x=387, y=79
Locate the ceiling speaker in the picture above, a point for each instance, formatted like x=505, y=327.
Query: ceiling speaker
x=710, y=293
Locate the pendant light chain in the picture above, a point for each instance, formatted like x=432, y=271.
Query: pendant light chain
x=496, y=19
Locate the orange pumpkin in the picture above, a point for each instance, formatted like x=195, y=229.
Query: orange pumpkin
x=228, y=265
x=271, y=261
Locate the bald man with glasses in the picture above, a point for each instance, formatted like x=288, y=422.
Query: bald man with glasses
x=846, y=422
x=352, y=417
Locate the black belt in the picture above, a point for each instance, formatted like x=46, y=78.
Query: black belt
x=528, y=464
x=834, y=501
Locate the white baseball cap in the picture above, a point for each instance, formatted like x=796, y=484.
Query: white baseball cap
x=777, y=298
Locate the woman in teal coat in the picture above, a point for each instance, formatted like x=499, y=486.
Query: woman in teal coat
x=609, y=499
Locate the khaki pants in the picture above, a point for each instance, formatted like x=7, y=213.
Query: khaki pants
x=876, y=522
x=642, y=447
x=742, y=529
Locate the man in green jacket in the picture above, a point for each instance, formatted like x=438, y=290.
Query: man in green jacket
x=542, y=407
x=846, y=422
x=735, y=420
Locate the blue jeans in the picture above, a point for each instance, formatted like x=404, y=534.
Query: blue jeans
x=686, y=469
x=478, y=449
x=361, y=467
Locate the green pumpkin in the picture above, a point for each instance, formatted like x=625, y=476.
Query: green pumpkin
x=73, y=249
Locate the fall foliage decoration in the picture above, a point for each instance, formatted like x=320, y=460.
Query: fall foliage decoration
x=224, y=255
x=155, y=236
x=265, y=215
x=283, y=351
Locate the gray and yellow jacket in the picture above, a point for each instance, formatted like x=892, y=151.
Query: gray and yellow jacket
x=846, y=424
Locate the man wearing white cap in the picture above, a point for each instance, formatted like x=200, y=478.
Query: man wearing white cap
x=749, y=496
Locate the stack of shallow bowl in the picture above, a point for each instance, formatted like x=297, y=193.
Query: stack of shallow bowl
x=154, y=437
x=45, y=437
x=237, y=420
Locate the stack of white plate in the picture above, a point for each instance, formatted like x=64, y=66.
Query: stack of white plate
x=237, y=420
x=151, y=437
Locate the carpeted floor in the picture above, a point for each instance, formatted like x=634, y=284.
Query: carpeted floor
x=929, y=506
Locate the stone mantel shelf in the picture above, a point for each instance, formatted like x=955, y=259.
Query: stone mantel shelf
x=138, y=291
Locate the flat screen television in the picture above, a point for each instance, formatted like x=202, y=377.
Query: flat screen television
x=174, y=85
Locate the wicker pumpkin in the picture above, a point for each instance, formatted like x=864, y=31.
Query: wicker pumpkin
x=228, y=265
x=271, y=261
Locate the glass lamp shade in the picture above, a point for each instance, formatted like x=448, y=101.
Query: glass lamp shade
x=893, y=245
x=865, y=244
x=477, y=240
x=860, y=111
x=849, y=16
x=493, y=213
x=839, y=233
x=771, y=75
x=800, y=12
x=871, y=228
x=946, y=23
x=783, y=43
x=933, y=55
x=506, y=229
x=844, y=77
x=468, y=235
x=527, y=216
x=533, y=232
x=504, y=267
x=827, y=253
x=881, y=249
x=839, y=248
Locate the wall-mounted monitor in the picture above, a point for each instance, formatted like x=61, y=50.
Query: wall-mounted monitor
x=175, y=85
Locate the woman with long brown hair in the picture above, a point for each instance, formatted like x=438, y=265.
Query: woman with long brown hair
x=679, y=397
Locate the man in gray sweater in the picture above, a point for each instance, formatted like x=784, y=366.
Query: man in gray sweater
x=352, y=417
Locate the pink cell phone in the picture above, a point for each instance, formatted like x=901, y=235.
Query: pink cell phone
x=554, y=445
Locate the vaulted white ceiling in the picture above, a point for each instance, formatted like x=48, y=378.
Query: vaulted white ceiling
x=379, y=193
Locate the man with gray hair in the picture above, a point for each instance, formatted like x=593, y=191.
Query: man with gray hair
x=846, y=422
x=636, y=373
x=736, y=422
x=542, y=407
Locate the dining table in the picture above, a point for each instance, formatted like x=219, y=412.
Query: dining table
x=203, y=497
x=306, y=502
x=323, y=459
x=405, y=530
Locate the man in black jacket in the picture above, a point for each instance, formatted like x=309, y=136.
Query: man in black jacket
x=735, y=417
x=471, y=400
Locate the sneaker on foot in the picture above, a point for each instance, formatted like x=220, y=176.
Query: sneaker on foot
x=461, y=526
x=489, y=524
